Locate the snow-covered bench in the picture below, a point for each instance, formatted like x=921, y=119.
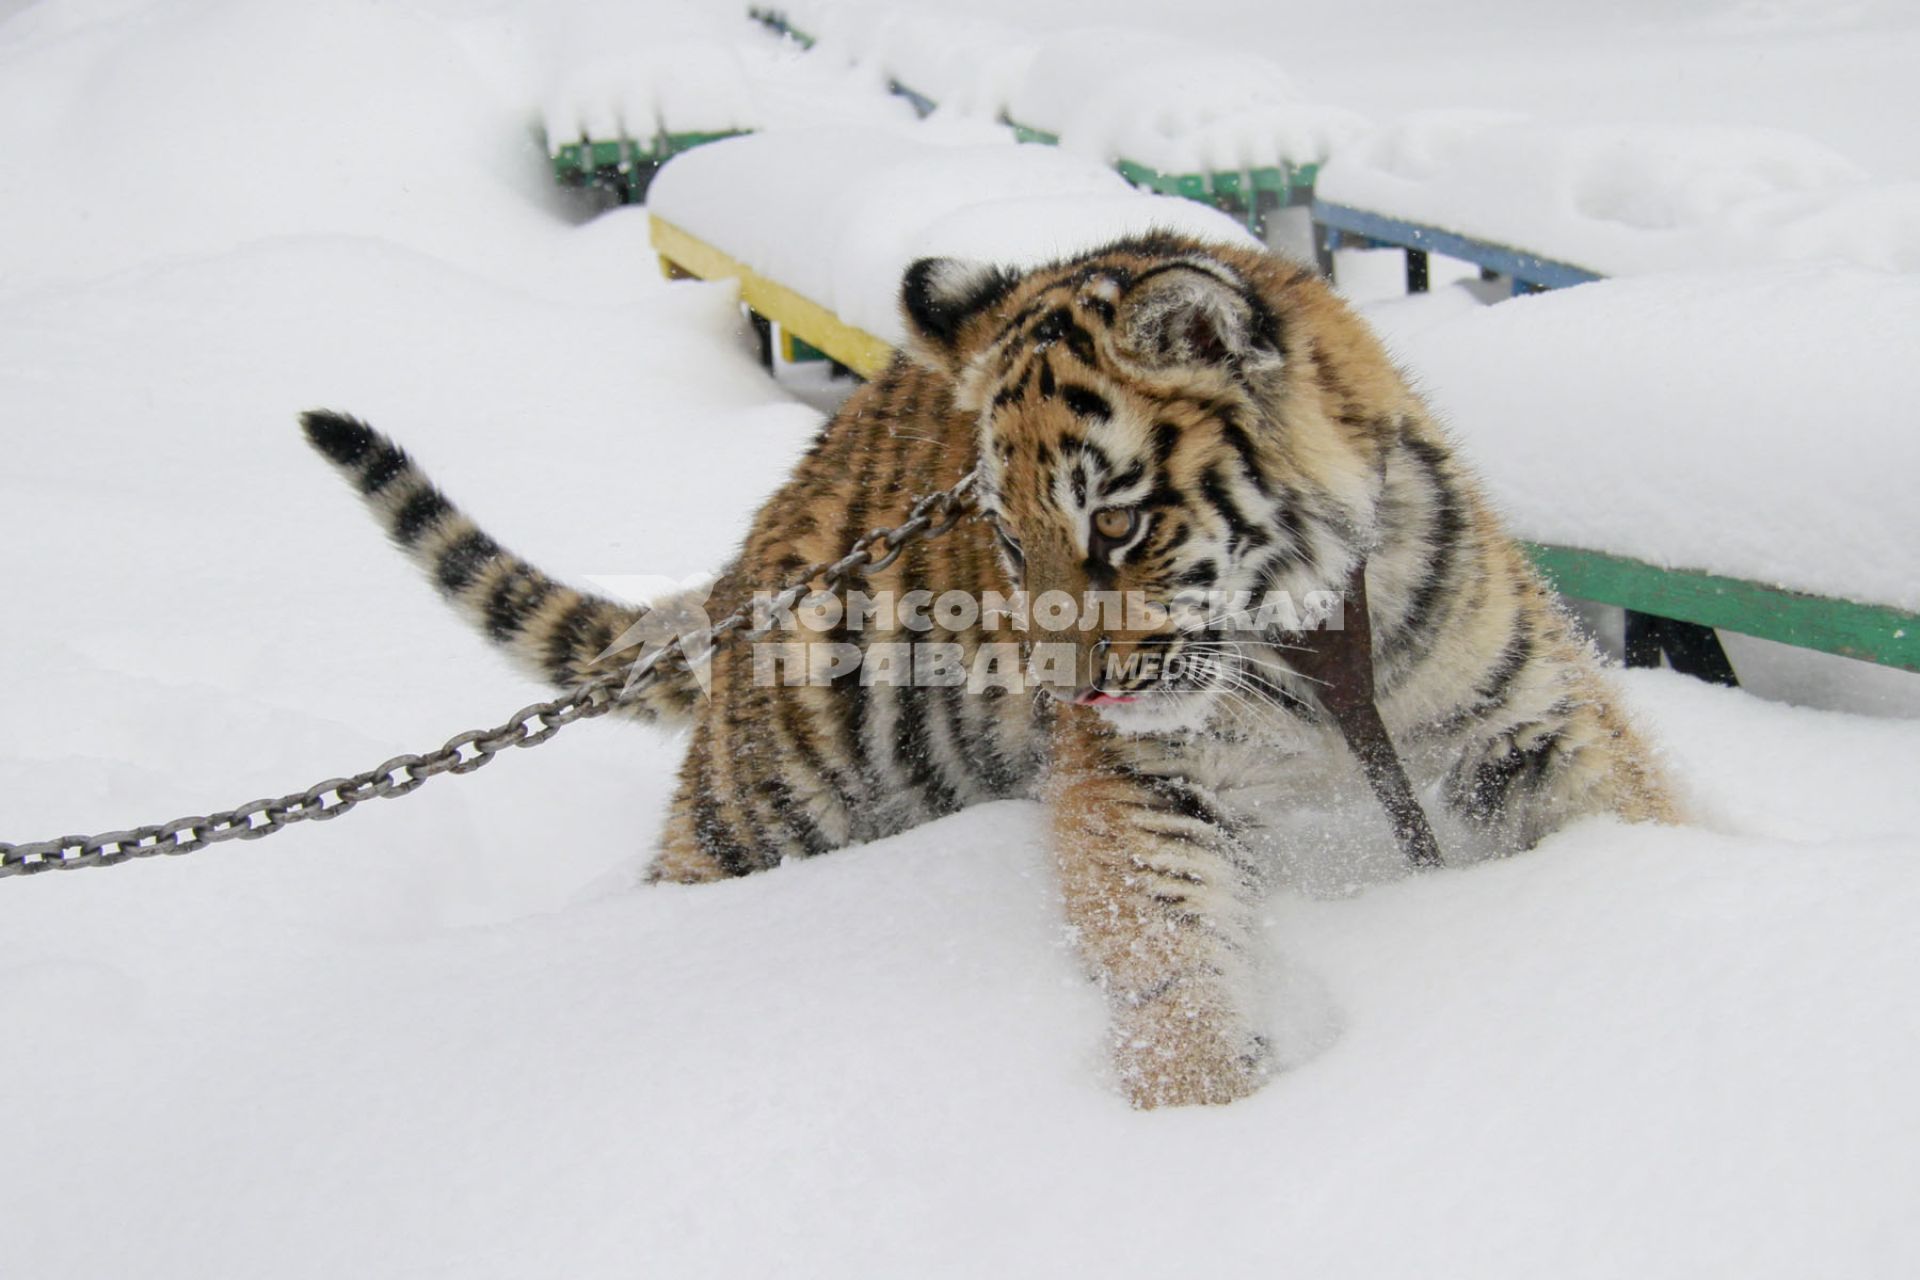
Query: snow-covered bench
x=1728, y=484
x=1551, y=207
x=1176, y=118
x=876, y=201
x=1732, y=449
x=1548, y=207
x=612, y=120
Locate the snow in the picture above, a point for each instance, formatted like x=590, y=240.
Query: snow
x=877, y=201
x=1173, y=105
x=1109, y=93
x=1751, y=423
x=1628, y=200
x=655, y=87
x=1839, y=74
x=1577, y=1061
x=451, y=1036
x=967, y=65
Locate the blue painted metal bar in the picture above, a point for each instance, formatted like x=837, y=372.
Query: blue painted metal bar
x=1525, y=268
x=922, y=105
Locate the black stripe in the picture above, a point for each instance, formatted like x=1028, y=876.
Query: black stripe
x=1168, y=794
x=1086, y=403
x=712, y=831
x=1280, y=696
x=463, y=558
x=1203, y=574
x=1166, y=437
x=1443, y=536
x=792, y=716
x=914, y=748
x=563, y=643
x=1290, y=511
x=793, y=815
x=1018, y=322
x=1175, y=538
x=420, y=513
x=1052, y=327
x=1265, y=329
x=1213, y=487
x=1242, y=444
x=1492, y=693
x=1008, y=394
x=386, y=465
x=514, y=599
x=1080, y=346
x=1483, y=792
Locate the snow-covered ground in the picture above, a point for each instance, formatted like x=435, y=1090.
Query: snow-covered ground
x=450, y=1036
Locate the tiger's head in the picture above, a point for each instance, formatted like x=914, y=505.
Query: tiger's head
x=1143, y=438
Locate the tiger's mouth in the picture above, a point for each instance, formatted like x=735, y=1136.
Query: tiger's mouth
x=1179, y=689
x=1101, y=698
x=1158, y=711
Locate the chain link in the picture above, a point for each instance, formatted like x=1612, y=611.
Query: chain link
x=929, y=517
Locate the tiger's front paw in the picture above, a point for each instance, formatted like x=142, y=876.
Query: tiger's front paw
x=1179, y=1052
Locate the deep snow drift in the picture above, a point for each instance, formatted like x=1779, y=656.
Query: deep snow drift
x=449, y=1036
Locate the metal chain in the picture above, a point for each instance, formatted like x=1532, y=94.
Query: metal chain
x=929, y=517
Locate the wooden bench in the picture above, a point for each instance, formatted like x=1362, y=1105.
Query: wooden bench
x=1251, y=195
x=1339, y=226
x=808, y=330
x=624, y=166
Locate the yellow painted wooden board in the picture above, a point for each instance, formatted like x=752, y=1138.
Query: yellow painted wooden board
x=855, y=348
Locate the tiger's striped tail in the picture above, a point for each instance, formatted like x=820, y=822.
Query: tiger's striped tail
x=552, y=631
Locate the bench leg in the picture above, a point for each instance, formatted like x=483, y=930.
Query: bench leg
x=1325, y=240
x=636, y=180
x=763, y=330
x=1688, y=647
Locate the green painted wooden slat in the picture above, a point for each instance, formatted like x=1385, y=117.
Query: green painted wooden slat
x=1027, y=133
x=626, y=166
x=1871, y=632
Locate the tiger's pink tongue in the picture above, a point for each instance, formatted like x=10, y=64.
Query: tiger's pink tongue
x=1094, y=698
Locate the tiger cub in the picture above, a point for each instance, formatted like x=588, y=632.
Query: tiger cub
x=1158, y=417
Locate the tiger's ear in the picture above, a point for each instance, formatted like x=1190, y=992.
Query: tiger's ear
x=1189, y=315
x=940, y=296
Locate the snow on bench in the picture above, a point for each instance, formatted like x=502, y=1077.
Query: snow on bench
x=1174, y=117
x=864, y=204
x=1550, y=208
x=1734, y=449
x=1556, y=206
x=614, y=118
x=965, y=64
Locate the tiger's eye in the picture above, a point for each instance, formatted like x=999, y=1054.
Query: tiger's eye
x=1114, y=523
